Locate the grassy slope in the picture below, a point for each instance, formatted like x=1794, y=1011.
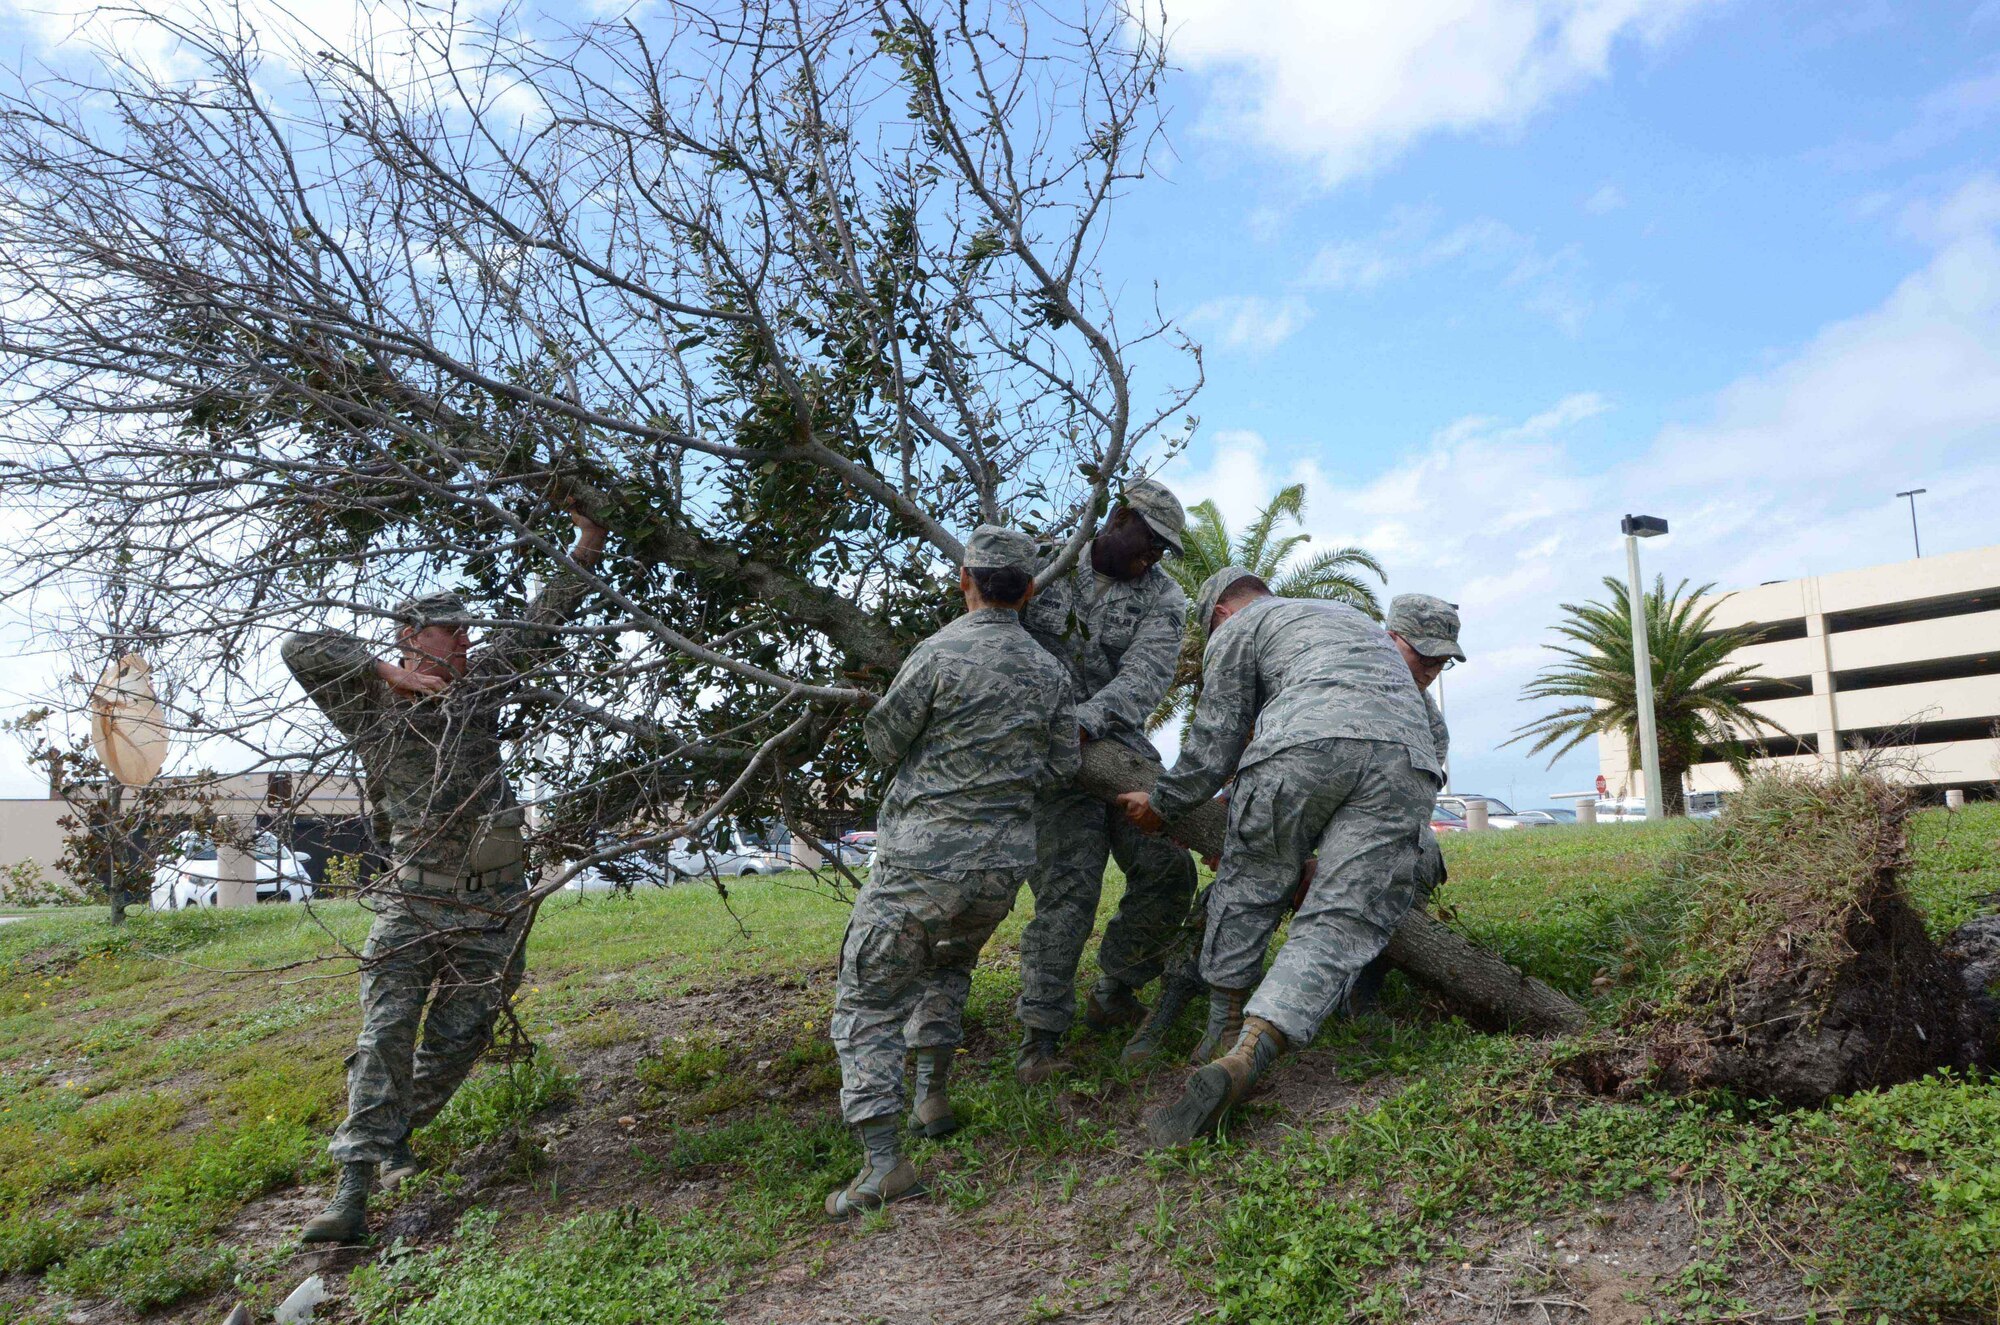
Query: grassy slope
x=148, y=1095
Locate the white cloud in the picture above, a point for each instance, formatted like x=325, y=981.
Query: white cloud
x=1608, y=198
x=1350, y=86
x=1787, y=471
x=419, y=51
x=1414, y=240
x=1250, y=322
x=1947, y=113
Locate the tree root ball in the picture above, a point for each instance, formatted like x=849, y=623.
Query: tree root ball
x=1804, y=972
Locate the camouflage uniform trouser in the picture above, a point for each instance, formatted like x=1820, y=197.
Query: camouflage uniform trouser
x=1184, y=966
x=394, y=1082
x=1074, y=836
x=905, y=971
x=1363, y=804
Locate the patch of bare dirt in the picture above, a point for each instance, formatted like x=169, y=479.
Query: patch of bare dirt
x=1621, y=1264
x=1027, y=1253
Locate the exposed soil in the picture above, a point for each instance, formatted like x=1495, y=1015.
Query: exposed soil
x=1839, y=989
x=1621, y=1264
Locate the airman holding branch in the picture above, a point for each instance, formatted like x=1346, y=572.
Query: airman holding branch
x=1433, y=623
x=1116, y=622
x=975, y=729
x=1316, y=714
x=451, y=915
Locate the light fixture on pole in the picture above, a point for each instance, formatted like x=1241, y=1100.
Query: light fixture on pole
x=1636, y=527
x=1913, y=494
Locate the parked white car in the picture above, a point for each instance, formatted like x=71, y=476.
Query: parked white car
x=732, y=857
x=1498, y=813
x=649, y=867
x=192, y=878
x=1621, y=809
x=856, y=850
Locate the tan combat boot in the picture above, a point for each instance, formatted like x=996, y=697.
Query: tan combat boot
x=1214, y=1089
x=401, y=1165
x=1038, y=1057
x=930, y=1105
x=885, y=1175
x=345, y=1218
x=1112, y=1004
x=1175, y=994
x=1225, y=1024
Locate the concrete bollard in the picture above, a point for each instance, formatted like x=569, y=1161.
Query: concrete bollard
x=804, y=855
x=1954, y=799
x=235, y=869
x=1586, y=812
x=1475, y=816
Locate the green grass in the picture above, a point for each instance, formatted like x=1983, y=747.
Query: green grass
x=151, y=1085
x=610, y=1267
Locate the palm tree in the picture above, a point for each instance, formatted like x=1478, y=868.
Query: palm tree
x=1268, y=554
x=1694, y=706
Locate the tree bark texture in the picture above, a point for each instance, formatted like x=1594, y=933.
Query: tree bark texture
x=1486, y=989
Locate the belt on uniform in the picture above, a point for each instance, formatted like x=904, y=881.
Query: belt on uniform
x=498, y=877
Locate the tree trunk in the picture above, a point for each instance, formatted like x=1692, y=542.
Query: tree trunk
x=1486, y=989
x=1673, y=787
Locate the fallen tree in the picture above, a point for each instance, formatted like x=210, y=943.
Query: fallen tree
x=1485, y=988
x=1802, y=970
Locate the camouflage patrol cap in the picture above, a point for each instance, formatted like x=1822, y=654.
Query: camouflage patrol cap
x=996, y=547
x=1212, y=590
x=443, y=608
x=1160, y=509
x=1429, y=624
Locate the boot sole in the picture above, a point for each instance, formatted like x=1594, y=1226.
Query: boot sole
x=1195, y=1113
x=333, y=1239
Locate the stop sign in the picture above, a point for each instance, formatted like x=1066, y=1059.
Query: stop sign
x=1602, y=785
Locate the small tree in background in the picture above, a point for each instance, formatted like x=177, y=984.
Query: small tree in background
x=1695, y=705
x=1270, y=555
x=114, y=836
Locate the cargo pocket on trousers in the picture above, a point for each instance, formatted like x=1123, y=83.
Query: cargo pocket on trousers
x=881, y=958
x=1253, y=824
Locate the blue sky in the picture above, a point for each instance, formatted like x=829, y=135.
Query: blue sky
x=1486, y=274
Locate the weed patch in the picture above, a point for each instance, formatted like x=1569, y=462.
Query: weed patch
x=498, y=1100
x=612, y=1267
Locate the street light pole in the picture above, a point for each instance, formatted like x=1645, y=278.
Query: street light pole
x=1447, y=764
x=1913, y=494
x=1636, y=527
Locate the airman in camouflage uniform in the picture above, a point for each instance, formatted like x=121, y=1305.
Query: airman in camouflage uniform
x=1433, y=624
x=1116, y=622
x=976, y=727
x=450, y=916
x=1425, y=631
x=1311, y=707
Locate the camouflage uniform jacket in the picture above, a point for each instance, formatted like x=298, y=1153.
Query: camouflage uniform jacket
x=1285, y=671
x=1120, y=642
x=432, y=765
x=1440, y=738
x=975, y=726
